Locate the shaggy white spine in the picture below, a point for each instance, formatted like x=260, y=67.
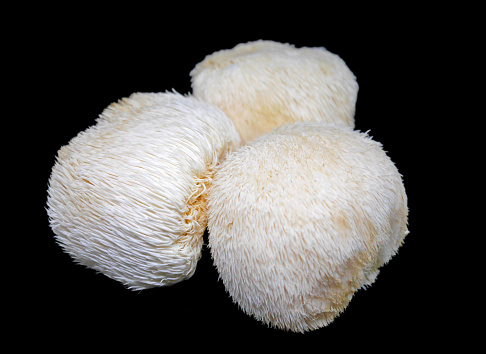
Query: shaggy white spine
x=301, y=218
x=119, y=192
x=263, y=84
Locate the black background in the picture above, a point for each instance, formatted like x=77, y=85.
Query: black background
x=74, y=64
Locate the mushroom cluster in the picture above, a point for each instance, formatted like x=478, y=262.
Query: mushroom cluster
x=301, y=209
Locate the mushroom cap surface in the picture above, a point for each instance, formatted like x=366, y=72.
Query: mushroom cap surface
x=301, y=218
x=263, y=84
x=127, y=196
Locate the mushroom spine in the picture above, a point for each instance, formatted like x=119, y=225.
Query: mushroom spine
x=264, y=84
x=127, y=196
x=301, y=218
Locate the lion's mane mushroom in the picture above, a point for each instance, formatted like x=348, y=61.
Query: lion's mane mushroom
x=127, y=196
x=301, y=218
x=263, y=84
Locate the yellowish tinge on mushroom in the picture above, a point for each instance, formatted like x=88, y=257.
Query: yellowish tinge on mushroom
x=263, y=84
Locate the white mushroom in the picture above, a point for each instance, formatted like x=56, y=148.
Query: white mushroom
x=263, y=84
x=303, y=217
x=127, y=197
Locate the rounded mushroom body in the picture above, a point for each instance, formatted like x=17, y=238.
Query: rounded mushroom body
x=301, y=218
x=263, y=84
x=127, y=196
